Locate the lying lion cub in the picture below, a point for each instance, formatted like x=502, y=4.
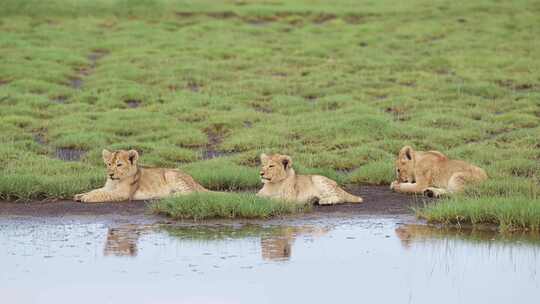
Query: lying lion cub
x=432, y=173
x=128, y=181
x=281, y=182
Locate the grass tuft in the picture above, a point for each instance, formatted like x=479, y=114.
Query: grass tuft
x=199, y=206
x=509, y=213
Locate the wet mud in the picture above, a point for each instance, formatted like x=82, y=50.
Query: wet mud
x=378, y=200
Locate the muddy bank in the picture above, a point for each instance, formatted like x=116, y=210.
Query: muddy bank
x=378, y=200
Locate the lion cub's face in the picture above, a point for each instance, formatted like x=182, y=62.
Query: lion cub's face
x=275, y=167
x=121, y=163
x=405, y=165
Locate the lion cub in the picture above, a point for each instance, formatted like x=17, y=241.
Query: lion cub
x=281, y=182
x=126, y=180
x=433, y=173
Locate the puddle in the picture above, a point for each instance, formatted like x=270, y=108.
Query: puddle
x=215, y=137
x=76, y=83
x=262, y=108
x=63, y=99
x=209, y=154
x=336, y=259
x=39, y=138
x=68, y=154
x=193, y=86
x=133, y=103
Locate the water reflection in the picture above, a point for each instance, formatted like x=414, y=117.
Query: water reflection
x=173, y=264
x=276, y=241
x=122, y=241
x=278, y=245
x=409, y=234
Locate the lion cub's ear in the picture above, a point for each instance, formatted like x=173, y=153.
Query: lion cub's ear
x=406, y=152
x=106, y=154
x=264, y=158
x=133, y=156
x=286, y=160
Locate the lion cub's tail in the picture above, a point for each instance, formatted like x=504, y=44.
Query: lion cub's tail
x=349, y=198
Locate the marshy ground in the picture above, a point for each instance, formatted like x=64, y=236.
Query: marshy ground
x=208, y=86
x=378, y=201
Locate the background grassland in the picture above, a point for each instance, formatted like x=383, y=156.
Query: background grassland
x=208, y=85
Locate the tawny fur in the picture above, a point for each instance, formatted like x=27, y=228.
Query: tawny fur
x=433, y=173
x=126, y=180
x=281, y=182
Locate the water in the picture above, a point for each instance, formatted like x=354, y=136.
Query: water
x=324, y=260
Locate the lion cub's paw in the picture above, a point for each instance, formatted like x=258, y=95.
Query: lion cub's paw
x=394, y=186
x=429, y=193
x=79, y=197
x=83, y=198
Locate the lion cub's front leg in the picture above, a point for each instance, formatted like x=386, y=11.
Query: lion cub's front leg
x=408, y=187
x=100, y=196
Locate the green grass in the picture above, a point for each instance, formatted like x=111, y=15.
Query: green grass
x=339, y=86
x=199, y=206
x=508, y=213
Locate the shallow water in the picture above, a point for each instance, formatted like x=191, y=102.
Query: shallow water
x=340, y=260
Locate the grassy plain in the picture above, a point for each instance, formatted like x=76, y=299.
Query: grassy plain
x=208, y=85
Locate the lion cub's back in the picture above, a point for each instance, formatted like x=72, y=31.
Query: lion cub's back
x=316, y=184
x=171, y=179
x=444, y=168
x=474, y=172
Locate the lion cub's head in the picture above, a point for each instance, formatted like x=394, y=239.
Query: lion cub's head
x=275, y=168
x=120, y=164
x=405, y=165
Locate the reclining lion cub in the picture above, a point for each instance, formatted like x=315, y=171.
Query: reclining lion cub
x=126, y=180
x=281, y=182
x=433, y=173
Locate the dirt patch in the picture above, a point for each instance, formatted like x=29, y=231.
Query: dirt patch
x=4, y=81
x=311, y=98
x=398, y=113
x=293, y=18
x=511, y=84
x=67, y=207
x=262, y=108
x=68, y=154
x=322, y=18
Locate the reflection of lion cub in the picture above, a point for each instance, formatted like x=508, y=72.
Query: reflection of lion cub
x=281, y=182
x=432, y=173
x=126, y=180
